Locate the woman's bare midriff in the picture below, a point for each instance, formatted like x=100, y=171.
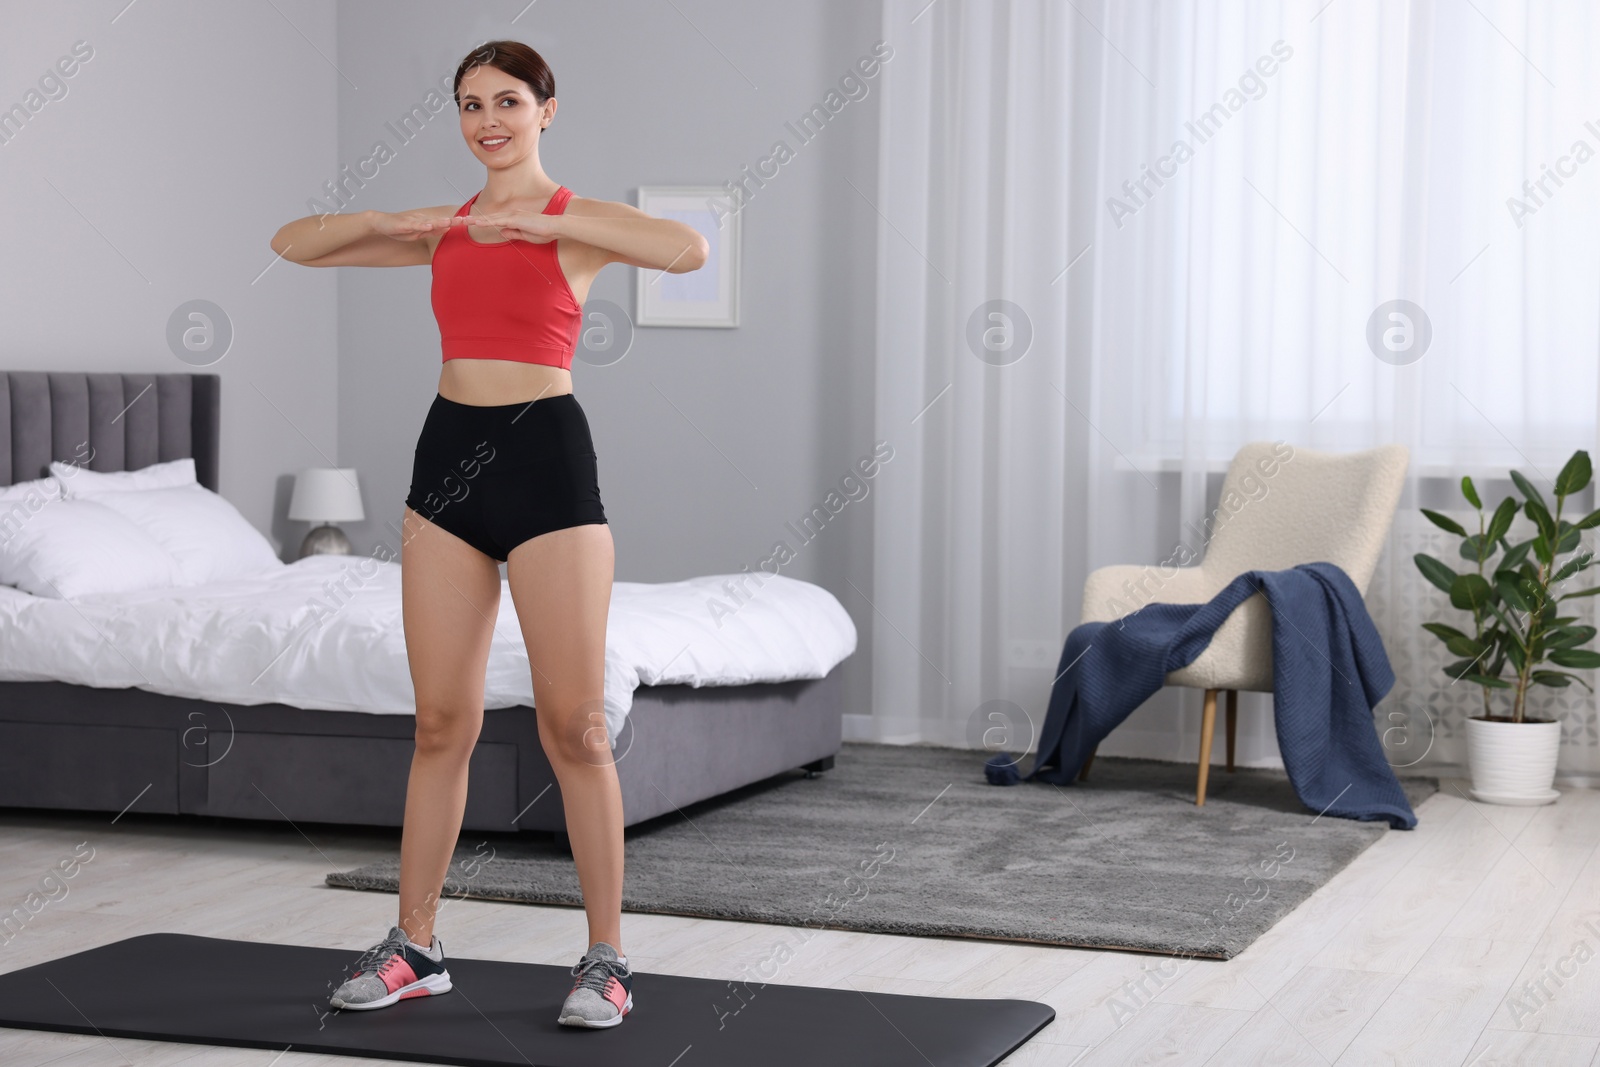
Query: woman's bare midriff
x=487, y=382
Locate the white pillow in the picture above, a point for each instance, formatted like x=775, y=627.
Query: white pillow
x=72, y=548
x=39, y=490
x=205, y=534
x=79, y=481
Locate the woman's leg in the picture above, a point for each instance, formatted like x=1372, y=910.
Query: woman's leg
x=450, y=597
x=561, y=585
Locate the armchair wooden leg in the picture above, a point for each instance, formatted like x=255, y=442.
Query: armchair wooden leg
x=1208, y=729
x=1233, y=723
x=1083, y=774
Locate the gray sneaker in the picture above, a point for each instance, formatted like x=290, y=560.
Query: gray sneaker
x=603, y=991
x=392, y=971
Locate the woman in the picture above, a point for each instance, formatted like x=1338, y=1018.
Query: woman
x=505, y=470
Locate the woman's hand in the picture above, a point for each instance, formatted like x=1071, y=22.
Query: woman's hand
x=534, y=227
x=408, y=225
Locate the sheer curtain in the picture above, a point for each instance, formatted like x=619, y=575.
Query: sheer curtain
x=1119, y=240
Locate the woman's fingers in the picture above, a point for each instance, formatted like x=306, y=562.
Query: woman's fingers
x=501, y=218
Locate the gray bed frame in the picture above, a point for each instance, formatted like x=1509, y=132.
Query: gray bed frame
x=76, y=747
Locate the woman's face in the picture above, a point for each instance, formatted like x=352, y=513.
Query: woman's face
x=499, y=116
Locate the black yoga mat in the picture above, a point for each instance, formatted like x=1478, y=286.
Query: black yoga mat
x=214, y=991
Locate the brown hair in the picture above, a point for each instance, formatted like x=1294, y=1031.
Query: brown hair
x=517, y=60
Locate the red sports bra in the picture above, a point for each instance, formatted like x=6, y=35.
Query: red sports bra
x=505, y=299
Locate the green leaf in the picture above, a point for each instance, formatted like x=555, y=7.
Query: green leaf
x=1516, y=655
x=1441, y=631
x=1568, y=636
x=1445, y=522
x=1469, y=492
x=1464, y=646
x=1575, y=475
x=1506, y=585
x=1434, y=571
x=1472, y=548
x=1536, y=511
x=1554, y=679
x=1485, y=680
x=1561, y=674
x=1512, y=634
x=1589, y=521
x=1581, y=658
x=1470, y=592
x=1527, y=488
x=1581, y=592
x=1514, y=556
x=1501, y=520
x=1535, y=595
x=1571, y=567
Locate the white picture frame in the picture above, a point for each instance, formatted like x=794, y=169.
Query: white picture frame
x=705, y=297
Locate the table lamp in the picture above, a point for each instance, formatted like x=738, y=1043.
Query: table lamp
x=326, y=495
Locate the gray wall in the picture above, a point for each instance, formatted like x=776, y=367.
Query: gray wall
x=773, y=413
x=158, y=177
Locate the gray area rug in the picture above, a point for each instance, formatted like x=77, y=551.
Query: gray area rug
x=910, y=839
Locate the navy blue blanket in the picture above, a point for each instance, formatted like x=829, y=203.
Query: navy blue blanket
x=1329, y=669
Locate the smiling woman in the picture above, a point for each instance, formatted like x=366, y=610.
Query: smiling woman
x=505, y=470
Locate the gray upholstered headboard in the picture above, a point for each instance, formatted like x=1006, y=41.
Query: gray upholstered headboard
x=129, y=421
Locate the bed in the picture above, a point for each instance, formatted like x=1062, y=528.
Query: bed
x=220, y=700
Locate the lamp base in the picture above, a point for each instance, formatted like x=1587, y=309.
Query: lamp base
x=326, y=539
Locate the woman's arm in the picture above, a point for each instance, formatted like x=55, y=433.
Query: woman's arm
x=622, y=232
x=363, y=238
x=630, y=236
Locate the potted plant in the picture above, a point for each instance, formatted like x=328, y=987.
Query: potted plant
x=1515, y=604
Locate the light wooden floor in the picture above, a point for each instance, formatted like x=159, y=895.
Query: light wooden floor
x=1414, y=954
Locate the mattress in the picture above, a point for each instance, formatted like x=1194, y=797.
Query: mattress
x=325, y=632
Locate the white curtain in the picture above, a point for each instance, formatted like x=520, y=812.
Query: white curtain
x=1118, y=240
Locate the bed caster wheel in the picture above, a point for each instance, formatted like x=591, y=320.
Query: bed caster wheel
x=815, y=768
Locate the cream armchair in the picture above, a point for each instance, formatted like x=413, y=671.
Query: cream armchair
x=1280, y=506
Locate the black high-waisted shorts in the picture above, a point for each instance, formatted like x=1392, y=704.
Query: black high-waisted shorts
x=497, y=475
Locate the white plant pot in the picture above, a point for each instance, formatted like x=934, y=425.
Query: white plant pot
x=1513, y=762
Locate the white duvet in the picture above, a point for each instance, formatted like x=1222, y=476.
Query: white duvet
x=325, y=632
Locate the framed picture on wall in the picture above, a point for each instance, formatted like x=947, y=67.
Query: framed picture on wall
x=705, y=297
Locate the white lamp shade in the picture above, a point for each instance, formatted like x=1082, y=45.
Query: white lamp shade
x=326, y=494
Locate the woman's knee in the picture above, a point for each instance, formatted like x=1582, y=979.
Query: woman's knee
x=441, y=730
x=574, y=734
